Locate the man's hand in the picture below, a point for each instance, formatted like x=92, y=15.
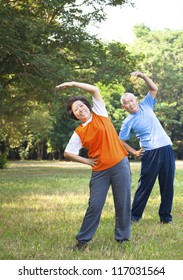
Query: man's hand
x=137, y=74
x=139, y=153
x=151, y=85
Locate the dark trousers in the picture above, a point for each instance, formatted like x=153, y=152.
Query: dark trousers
x=119, y=177
x=156, y=163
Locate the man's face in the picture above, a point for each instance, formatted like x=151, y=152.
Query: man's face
x=130, y=104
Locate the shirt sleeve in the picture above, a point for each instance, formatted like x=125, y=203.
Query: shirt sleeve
x=74, y=145
x=124, y=133
x=148, y=101
x=99, y=107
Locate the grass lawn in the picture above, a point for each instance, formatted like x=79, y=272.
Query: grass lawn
x=43, y=204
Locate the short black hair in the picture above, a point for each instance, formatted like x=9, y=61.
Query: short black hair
x=71, y=100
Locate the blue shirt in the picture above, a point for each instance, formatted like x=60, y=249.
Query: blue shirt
x=145, y=126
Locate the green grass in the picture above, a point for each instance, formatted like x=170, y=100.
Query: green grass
x=43, y=204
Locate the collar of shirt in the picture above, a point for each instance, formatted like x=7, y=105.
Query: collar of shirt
x=88, y=121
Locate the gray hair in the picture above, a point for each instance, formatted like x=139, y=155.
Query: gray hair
x=126, y=95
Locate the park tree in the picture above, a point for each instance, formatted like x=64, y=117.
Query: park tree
x=46, y=43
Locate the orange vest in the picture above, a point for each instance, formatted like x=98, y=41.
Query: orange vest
x=100, y=138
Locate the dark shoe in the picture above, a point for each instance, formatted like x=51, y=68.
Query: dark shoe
x=80, y=246
x=165, y=222
x=133, y=221
x=122, y=241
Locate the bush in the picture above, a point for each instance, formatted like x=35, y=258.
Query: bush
x=3, y=160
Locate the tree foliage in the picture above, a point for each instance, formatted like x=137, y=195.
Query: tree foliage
x=46, y=43
x=43, y=43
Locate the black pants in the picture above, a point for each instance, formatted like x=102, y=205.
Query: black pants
x=156, y=163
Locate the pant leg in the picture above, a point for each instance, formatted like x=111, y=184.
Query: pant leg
x=166, y=183
x=149, y=171
x=99, y=186
x=121, y=188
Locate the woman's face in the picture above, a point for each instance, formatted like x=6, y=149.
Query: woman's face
x=81, y=111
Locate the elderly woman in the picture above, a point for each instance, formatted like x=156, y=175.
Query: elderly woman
x=107, y=158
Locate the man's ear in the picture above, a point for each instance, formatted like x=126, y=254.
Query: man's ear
x=123, y=107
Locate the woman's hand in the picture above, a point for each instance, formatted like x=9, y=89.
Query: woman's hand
x=65, y=85
x=92, y=161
